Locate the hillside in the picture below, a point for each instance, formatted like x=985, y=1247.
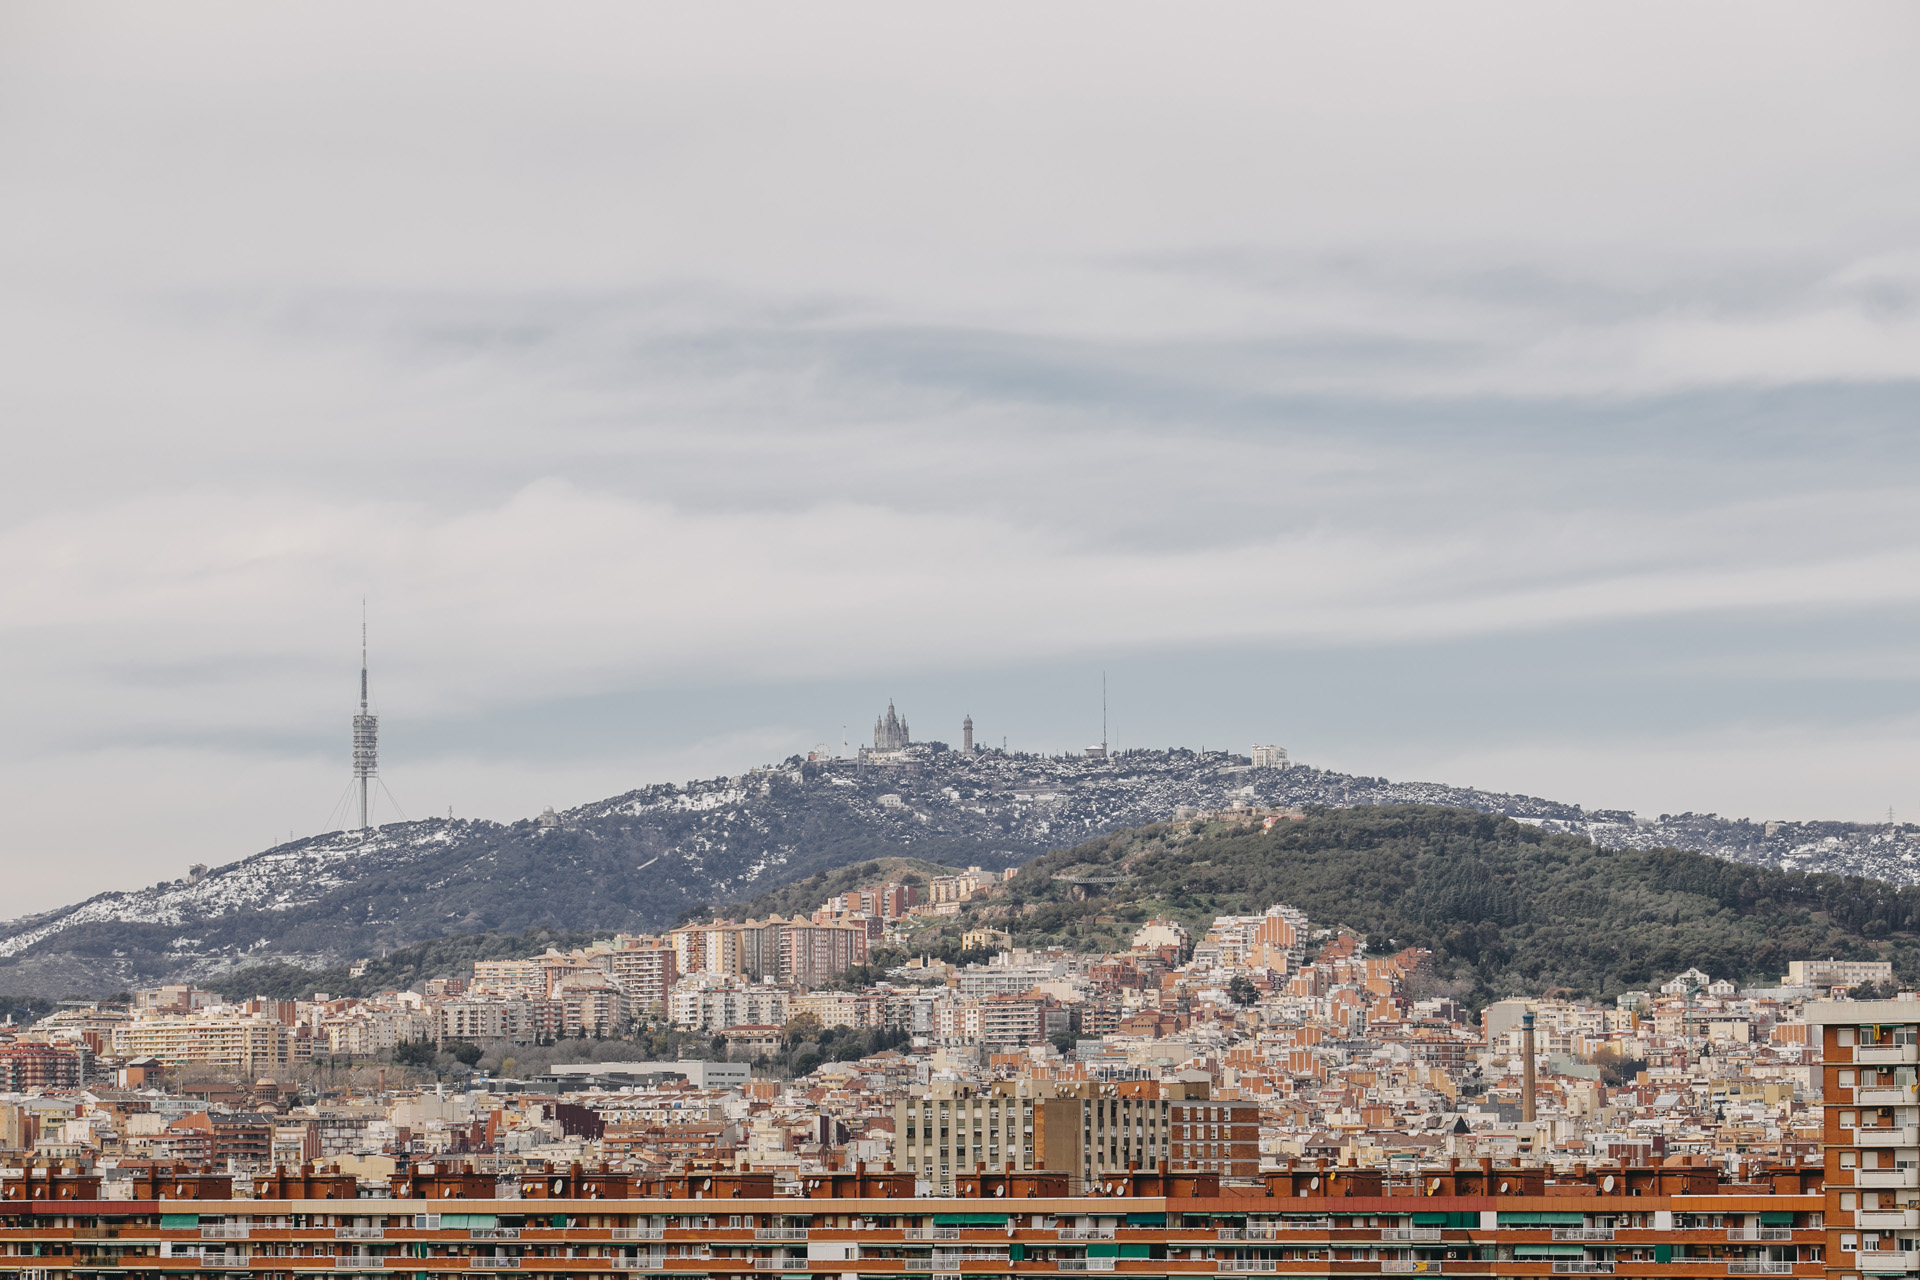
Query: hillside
x=644, y=859
x=1504, y=906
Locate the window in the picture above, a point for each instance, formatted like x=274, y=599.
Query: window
x=1849, y=1243
x=1846, y=1079
x=1847, y=1159
x=1848, y=1200
x=1848, y=1120
x=1844, y=1035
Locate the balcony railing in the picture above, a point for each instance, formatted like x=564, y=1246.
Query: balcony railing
x=1887, y=1219
x=226, y=1231
x=359, y=1262
x=1881, y=1095
x=1411, y=1235
x=1086, y=1233
x=643, y=1262
x=1890, y=1136
x=1887, y=1054
x=931, y=1233
x=498, y=1233
x=1758, y=1235
x=637, y=1233
x=945, y=1257
x=1085, y=1264
x=354, y=1233
x=1887, y=1177
x=1582, y=1268
x=1583, y=1235
x=775, y=1264
x=1223, y=1265
x=780, y=1233
x=223, y=1260
x=1883, y=1261
x=1760, y=1267
x=493, y=1264
x=916, y=1264
x=1248, y=1233
x=1409, y=1266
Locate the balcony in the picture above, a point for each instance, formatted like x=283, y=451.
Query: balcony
x=1759, y=1235
x=1583, y=1235
x=930, y=1233
x=359, y=1262
x=1887, y=1261
x=492, y=1264
x=228, y=1261
x=1085, y=1264
x=780, y=1233
x=1410, y=1235
x=916, y=1264
x=226, y=1231
x=1887, y=1054
x=1887, y=1219
x=1760, y=1267
x=1306, y=1224
x=1409, y=1266
x=1582, y=1267
x=353, y=1233
x=1225, y=1265
x=500, y=1233
x=1248, y=1233
x=1898, y=1095
x=1903, y=1178
x=777, y=1264
x=644, y=1262
x=633, y=1233
x=1089, y=1233
x=947, y=1259
x=1891, y=1136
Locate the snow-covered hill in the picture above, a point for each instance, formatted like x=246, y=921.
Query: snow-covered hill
x=639, y=860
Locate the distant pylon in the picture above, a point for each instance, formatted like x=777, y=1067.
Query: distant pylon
x=366, y=731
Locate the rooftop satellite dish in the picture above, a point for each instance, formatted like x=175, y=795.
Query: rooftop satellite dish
x=1433, y=1188
x=1607, y=1183
x=1503, y=1188
x=1315, y=1184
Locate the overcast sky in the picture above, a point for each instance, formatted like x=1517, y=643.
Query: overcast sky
x=1523, y=395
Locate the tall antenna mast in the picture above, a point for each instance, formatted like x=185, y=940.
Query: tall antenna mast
x=366, y=730
x=1103, y=714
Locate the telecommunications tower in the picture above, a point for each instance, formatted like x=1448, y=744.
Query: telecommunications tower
x=366, y=732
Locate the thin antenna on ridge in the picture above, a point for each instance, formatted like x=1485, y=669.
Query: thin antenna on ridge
x=366, y=732
x=1103, y=714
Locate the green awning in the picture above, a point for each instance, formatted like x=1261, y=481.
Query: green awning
x=466, y=1221
x=1146, y=1219
x=1549, y=1251
x=969, y=1219
x=1136, y=1251
x=1103, y=1251
x=1542, y=1218
x=1431, y=1219
x=178, y=1221
x=1777, y=1218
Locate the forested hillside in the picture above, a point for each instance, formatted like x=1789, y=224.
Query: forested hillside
x=1504, y=906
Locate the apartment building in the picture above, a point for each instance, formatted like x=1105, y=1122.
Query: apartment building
x=1870, y=1053
x=248, y=1044
x=1837, y=973
x=1086, y=1131
x=1487, y=1222
x=646, y=968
